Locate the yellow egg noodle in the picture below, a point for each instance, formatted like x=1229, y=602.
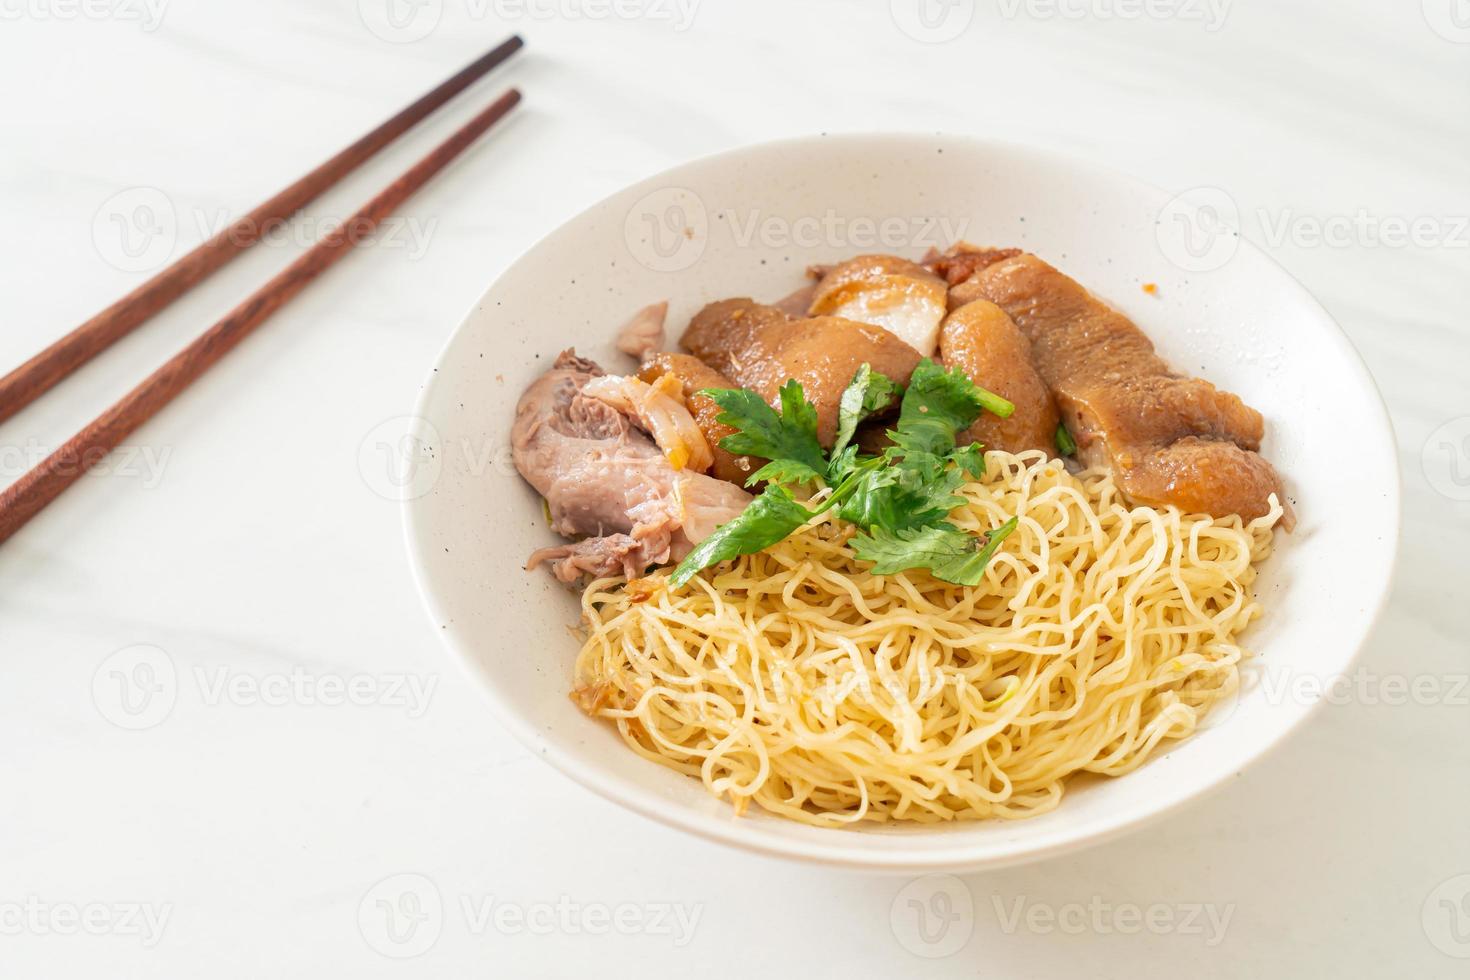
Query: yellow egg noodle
x=796, y=679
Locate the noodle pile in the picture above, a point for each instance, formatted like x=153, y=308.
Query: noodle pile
x=796, y=679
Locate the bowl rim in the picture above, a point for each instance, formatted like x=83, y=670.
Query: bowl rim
x=844, y=848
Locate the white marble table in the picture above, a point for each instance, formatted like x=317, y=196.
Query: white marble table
x=245, y=831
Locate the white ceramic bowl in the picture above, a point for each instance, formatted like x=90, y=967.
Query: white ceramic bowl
x=747, y=222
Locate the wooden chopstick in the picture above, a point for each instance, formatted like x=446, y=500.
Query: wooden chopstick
x=38, y=375
x=43, y=484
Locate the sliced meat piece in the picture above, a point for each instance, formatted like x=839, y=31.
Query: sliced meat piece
x=659, y=412
x=1204, y=476
x=824, y=353
x=1123, y=405
x=645, y=332
x=604, y=478
x=959, y=265
x=984, y=343
x=759, y=348
x=596, y=557
x=962, y=260
x=694, y=376
x=900, y=296
x=723, y=334
x=795, y=303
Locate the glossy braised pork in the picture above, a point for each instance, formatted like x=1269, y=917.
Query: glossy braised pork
x=604, y=478
x=902, y=297
x=695, y=376
x=644, y=333
x=983, y=342
x=1168, y=439
x=760, y=348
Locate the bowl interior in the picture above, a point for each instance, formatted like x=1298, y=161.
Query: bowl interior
x=748, y=223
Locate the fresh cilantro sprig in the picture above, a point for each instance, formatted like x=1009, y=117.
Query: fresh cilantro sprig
x=769, y=518
x=788, y=440
x=869, y=392
x=900, y=499
x=949, y=553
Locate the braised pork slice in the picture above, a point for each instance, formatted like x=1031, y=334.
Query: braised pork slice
x=1168, y=439
x=983, y=342
x=900, y=296
x=723, y=334
x=605, y=478
x=759, y=348
x=694, y=376
x=795, y=303
x=644, y=333
x=659, y=410
x=963, y=260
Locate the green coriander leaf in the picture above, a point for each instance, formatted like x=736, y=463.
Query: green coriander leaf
x=868, y=392
x=970, y=458
x=781, y=471
x=768, y=519
x=938, y=405
x=788, y=440
x=949, y=553
x=920, y=490
x=1066, y=445
x=842, y=465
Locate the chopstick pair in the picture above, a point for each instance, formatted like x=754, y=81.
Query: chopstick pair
x=43, y=484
